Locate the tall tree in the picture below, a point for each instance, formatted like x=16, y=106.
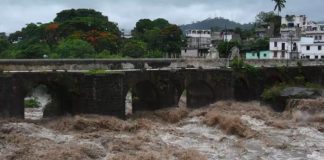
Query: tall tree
x=279, y=5
x=171, y=41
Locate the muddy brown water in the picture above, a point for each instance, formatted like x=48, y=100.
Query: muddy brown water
x=149, y=135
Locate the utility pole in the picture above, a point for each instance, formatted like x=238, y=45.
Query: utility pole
x=229, y=55
x=199, y=41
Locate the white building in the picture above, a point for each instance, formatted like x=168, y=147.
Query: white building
x=198, y=43
x=318, y=35
x=285, y=48
x=198, y=38
x=300, y=38
x=293, y=24
x=311, y=48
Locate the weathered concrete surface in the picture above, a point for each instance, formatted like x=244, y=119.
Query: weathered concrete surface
x=79, y=93
x=131, y=64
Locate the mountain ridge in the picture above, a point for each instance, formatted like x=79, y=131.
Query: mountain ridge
x=217, y=23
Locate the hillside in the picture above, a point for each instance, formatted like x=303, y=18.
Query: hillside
x=218, y=23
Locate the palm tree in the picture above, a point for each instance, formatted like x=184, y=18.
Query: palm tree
x=280, y=4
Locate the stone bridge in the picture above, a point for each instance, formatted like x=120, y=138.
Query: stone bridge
x=105, y=93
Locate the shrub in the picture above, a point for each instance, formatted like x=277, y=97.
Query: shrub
x=134, y=49
x=153, y=54
x=237, y=63
x=75, y=48
x=32, y=103
x=97, y=71
x=272, y=93
x=300, y=80
x=105, y=54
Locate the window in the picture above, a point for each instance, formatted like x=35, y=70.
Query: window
x=319, y=48
x=282, y=54
x=319, y=37
x=316, y=37
x=253, y=54
x=275, y=44
x=322, y=57
x=307, y=57
x=316, y=57
x=275, y=55
x=283, y=46
x=264, y=55
x=307, y=48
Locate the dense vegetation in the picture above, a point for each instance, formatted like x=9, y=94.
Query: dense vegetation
x=217, y=24
x=156, y=37
x=86, y=33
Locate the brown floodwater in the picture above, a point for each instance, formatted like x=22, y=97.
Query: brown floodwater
x=224, y=130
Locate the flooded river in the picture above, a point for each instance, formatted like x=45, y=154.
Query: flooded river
x=225, y=130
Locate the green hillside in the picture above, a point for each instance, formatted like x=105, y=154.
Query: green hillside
x=216, y=23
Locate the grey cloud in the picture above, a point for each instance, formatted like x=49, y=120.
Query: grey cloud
x=14, y=14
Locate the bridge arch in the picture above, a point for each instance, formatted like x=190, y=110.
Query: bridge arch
x=58, y=105
x=242, y=90
x=199, y=93
x=144, y=96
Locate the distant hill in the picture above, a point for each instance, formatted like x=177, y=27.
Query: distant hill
x=218, y=23
x=321, y=22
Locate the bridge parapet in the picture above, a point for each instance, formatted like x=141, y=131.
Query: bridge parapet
x=140, y=64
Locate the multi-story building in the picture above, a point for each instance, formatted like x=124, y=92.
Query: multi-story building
x=198, y=38
x=291, y=24
x=198, y=43
x=300, y=38
x=311, y=48
x=285, y=48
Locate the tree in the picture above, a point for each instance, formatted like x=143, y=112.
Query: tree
x=160, y=36
x=85, y=20
x=88, y=25
x=152, y=38
x=262, y=44
x=255, y=45
x=4, y=44
x=279, y=5
x=82, y=24
x=225, y=47
x=141, y=26
x=134, y=49
x=101, y=40
x=75, y=48
x=30, y=49
x=160, y=23
x=171, y=40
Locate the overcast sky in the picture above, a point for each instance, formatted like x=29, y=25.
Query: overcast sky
x=14, y=14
